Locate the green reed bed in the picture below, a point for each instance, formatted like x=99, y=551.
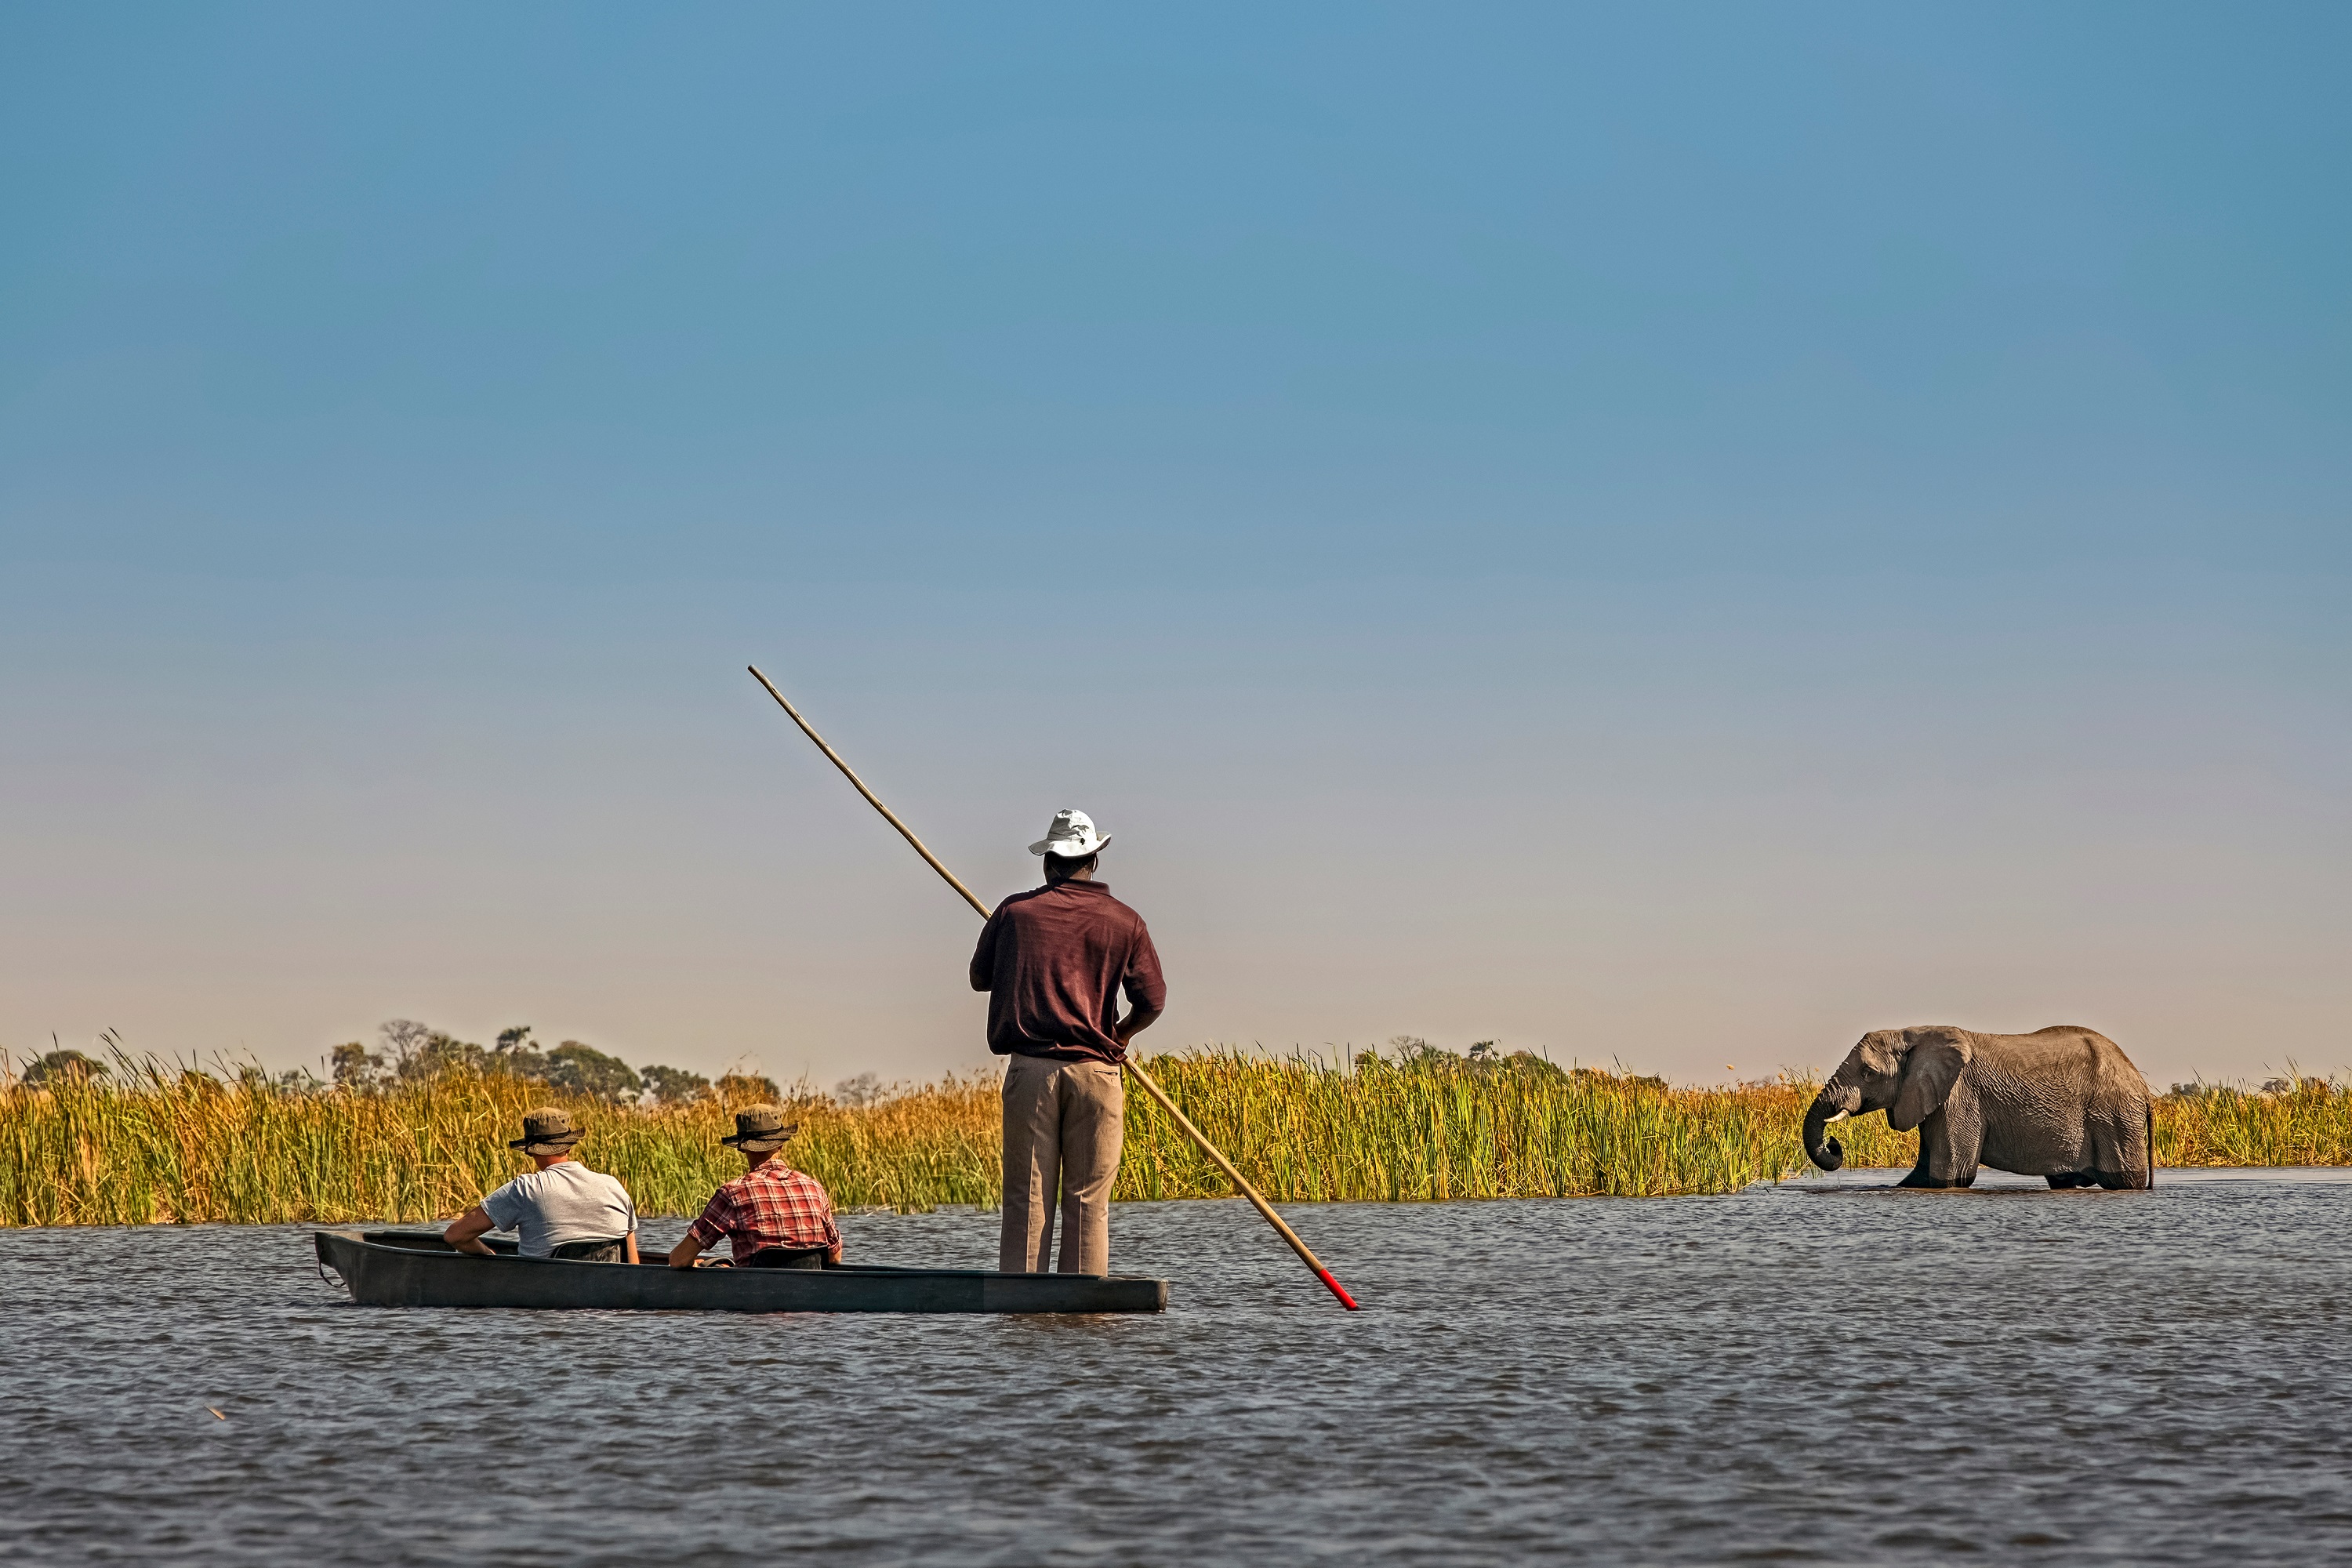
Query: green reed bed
x=2309, y=1123
x=187, y=1147
x=1452, y=1128
x=166, y=1145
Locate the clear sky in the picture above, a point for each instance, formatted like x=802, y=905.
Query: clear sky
x=1675, y=534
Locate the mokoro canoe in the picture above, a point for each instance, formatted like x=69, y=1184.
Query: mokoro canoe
x=417, y=1269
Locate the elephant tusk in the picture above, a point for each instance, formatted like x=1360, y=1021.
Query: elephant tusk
x=1841, y=1116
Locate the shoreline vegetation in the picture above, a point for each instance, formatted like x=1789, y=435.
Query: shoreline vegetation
x=143, y=1142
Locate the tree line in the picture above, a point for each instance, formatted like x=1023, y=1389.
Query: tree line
x=410, y=1052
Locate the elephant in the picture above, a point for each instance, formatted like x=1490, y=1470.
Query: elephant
x=2062, y=1102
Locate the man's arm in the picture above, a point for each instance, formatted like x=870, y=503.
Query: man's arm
x=466, y=1232
x=631, y=1250
x=1147, y=993
x=984, y=957
x=717, y=1220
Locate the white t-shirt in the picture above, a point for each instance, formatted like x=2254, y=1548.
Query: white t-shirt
x=563, y=1203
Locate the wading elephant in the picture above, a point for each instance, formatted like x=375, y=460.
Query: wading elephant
x=2061, y=1102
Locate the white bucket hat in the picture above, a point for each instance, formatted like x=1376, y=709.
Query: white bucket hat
x=1070, y=835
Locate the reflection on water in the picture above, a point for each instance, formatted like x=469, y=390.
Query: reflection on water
x=1826, y=1373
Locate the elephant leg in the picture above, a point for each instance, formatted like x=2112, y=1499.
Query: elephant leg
x=2120, y=1141
x=2076, y=1179
x=1921, y=1175
x=1943, y=1163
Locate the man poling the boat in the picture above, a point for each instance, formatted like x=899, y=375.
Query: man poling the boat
x=559, y=1210
x=1054, y=962
x=1143, y=1079
x=772, y=1216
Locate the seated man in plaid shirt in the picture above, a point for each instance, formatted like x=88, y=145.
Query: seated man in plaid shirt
x=774, y=1216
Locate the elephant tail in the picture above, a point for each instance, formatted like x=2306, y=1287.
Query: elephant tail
x=2150, y=1110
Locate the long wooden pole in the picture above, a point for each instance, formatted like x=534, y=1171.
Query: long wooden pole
x=1134, y=1067
x=1241, y=1183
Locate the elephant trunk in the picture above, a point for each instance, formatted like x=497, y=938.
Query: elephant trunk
x=1822, y=1150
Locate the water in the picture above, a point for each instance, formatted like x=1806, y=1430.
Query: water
x=1827, y=1375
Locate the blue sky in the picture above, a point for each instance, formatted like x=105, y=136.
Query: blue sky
x=1676, y=535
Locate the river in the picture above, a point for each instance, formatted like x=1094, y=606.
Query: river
x=1821, y=1374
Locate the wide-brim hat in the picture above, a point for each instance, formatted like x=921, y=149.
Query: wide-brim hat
x=549, y=1127
x=1071, y=835
x=762, y=1130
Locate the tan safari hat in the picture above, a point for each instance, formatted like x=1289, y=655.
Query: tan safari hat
x=549, y=1127
x=760, y=1129
x=1070, y=835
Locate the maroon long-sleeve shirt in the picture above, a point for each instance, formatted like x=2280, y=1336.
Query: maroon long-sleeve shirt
x=1054, y=962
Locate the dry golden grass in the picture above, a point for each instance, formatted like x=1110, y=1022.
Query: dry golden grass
x=1450, y=1128
x=2309, y=1125
x=175, y=1146
x=188, y=1147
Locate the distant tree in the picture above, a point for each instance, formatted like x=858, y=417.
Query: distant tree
x=441, y=1055
x=355, y=1067
x=1481, y=1050
x=674, y=1086
x=64, y=1066
x=581, y=1070
x=747, y=1089
x=862, y=1091
x=516, y=1056
x=402, y=1038
x=1412, y=1051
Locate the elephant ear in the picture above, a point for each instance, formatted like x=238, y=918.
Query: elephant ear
x=1936, y=1057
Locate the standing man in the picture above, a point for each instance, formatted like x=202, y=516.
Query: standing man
x=1054, y=962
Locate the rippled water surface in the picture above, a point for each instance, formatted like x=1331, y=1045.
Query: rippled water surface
x=1836, y=1375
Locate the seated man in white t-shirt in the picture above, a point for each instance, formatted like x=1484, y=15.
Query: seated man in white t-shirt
x=562, y=1209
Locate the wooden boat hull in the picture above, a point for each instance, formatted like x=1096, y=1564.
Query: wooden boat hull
x=417, y=1269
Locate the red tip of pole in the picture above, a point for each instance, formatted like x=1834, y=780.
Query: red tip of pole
x=1340, y=1290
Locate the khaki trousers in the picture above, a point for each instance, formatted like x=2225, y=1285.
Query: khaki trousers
x=1063, y=1123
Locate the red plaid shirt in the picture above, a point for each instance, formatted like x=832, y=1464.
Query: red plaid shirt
x=773, y=1205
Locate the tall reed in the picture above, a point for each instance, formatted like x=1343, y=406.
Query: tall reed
x=1442, y=1127
x=185, y=1146
x=2308, y=1124
x=171, y=1145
